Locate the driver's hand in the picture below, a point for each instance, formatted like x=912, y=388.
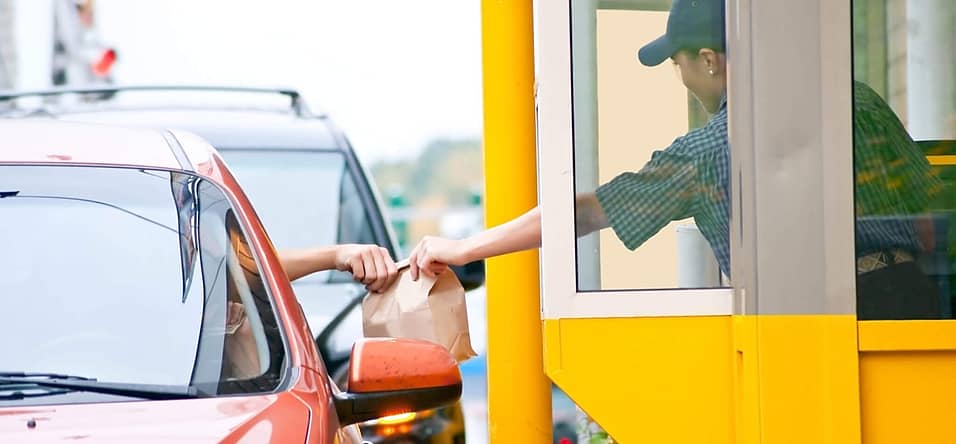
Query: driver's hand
x=369, y=264
x=240, y=356
x=235, y=317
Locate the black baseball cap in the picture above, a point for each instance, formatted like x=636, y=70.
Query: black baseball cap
x=690, y=24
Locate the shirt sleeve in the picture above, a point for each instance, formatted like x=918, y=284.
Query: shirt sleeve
x=639, y=204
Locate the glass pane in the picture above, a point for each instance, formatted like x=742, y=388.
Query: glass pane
x=650, y=163
x=110, y=277
x=904, y=123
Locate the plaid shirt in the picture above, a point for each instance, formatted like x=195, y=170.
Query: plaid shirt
x=894, y=182
x=691, y=178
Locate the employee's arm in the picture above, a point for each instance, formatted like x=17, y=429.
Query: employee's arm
x=432, y=254
x=588, y=214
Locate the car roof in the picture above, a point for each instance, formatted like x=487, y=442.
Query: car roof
x=223, y=128
x=243, y=120
x=49, y=141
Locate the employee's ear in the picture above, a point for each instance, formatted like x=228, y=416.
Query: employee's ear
x=713, y=60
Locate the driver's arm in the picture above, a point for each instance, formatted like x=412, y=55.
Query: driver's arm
x=371, y=265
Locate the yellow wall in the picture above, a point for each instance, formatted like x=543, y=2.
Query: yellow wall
x=640, y=110
x=647, y=380
x=798, y=379
x=908, y=381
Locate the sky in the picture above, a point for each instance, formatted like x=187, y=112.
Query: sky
x=394, y=75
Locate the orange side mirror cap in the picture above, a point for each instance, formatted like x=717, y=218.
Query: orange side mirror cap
x=385, y=364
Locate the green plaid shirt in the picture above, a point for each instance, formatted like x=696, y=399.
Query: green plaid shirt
x=691, y=178
x=894, y=182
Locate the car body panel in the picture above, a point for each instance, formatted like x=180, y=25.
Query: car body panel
x=275, y=418
x=281, y=418
x=37, y=141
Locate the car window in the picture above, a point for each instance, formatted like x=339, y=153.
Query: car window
x=132, y=276
x=305, y=199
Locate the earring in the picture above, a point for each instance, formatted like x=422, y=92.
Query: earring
x=711, y=72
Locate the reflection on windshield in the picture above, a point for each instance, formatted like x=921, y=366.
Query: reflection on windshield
x=97, y=262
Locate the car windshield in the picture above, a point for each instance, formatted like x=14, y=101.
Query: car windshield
x=131, y=276
x=304, y=198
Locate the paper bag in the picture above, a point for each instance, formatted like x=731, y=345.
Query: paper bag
x=432, y=309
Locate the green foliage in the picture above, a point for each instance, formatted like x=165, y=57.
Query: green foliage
x=448, y=170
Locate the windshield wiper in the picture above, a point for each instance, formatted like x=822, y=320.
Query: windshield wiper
x=43, y=375
x=80, y=383
x=16, y=392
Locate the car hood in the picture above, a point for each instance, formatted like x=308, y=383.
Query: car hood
x=267, y=419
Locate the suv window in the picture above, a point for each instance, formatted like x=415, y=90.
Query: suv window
x=314, y=186
x=132, y=275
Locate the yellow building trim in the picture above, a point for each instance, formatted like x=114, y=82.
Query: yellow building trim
x=808, y=377
x=907, y=382
x=941, y=160
x=712, y=379
x=647, y=380
x=746, y=381
x=907, y=335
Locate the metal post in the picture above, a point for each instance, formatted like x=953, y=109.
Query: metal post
x=519, y=395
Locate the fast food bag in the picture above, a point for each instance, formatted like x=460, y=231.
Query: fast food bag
x=432, y=309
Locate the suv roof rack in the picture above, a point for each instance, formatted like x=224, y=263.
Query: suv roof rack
x=296, y=101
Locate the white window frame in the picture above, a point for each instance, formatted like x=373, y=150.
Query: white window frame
x=790, y=124
x=560, y=298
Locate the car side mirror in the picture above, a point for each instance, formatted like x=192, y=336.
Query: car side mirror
x=393, y=376
x=471, y=275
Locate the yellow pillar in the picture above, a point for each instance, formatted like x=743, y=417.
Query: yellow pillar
x=519, y=393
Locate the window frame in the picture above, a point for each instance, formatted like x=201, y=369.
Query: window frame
x=800, y=190
x=284, y=372
x=556, y=190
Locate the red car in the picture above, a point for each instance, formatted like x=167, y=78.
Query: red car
x=144, y=302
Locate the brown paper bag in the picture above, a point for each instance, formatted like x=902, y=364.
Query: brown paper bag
x=432, y=309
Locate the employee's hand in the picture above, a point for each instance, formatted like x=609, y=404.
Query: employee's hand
x=433, y=255
x=369, y=264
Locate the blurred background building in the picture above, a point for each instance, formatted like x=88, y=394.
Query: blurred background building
x=52, y=43
x=8, y=55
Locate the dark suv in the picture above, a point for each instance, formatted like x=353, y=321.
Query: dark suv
x=306, y=183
